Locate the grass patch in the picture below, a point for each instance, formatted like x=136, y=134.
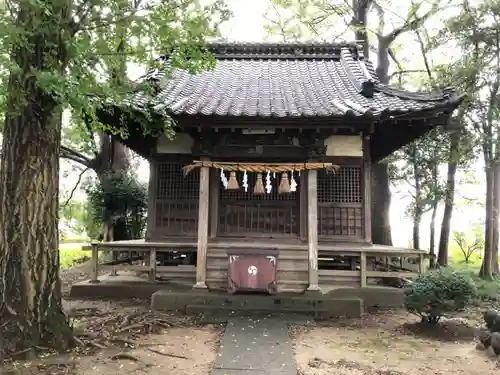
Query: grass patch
x=71, y=254
x=488, y=290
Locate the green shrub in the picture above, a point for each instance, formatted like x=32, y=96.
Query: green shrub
x=121, y=201
x=439, y=292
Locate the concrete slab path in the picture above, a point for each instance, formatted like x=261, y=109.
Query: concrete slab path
x=256, y=345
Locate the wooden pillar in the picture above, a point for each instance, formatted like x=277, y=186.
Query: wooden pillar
x=367, y=192
x=94, y=272
x=362, y=269
x=152, y=264
x=203, y=216
x=422, y=263
x=312, y=229
x=214, y=202
x=151, y=218
x=303, y=206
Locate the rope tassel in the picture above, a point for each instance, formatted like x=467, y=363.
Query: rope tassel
x=259, y=185
x=232, y=184
x=284, y=186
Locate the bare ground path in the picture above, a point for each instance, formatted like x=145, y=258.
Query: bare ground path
x=392, y=344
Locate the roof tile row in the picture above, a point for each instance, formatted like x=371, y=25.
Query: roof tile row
x=286, y=80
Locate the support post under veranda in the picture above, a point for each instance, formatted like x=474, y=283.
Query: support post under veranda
x=203, y=215
x=312, y=229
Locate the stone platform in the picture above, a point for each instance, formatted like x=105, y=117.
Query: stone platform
x=318, y=306
x=173, y=296
x=124, y=286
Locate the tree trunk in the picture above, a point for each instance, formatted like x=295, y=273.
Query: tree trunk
x=381, y=192
x=496, y=208
x=30, y=289
x=381, y=204
x=449, y=200
x=435, y=202
x=31, y=313
x=113, y=160
x=360, y=9
x=486, y=269
x=432, y=242
x=417, y=215
x=417, y=219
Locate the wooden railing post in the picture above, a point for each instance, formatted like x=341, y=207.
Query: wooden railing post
x=94, y=272
x=312, y=229
x=152, y=264
x=203, y=212
x=421, y=258
x=362, y=269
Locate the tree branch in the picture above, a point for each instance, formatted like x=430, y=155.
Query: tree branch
x=75, y=187
x=75, y=156
x=82, y=13
x=279, y=23
x=409, y=71
x=409, y=24
x=381, y=17
x=425, y=57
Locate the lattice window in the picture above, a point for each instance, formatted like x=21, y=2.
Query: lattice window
x=340, y=203
x=177, y=199
x=340, y=221
x=243, y=213
x=173, y=185
x=342, y=187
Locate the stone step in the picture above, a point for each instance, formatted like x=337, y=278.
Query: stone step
x=260, y=300
x=194, y=309
x=166, y=300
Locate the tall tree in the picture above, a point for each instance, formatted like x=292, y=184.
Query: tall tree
x=417, y=168
x=60, y=55
x=319, y=18
x=476, y=31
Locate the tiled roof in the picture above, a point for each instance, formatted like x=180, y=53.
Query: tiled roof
x=283, y=80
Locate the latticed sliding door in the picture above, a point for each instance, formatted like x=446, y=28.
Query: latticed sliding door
x=340, y=203
x=176, y=200
x=243, y=213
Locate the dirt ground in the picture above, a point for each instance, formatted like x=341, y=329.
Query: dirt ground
x=393, y=344
x=125, y=338
x=182, y=351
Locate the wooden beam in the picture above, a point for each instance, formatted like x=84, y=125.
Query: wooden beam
x=391, y=274
x=312, y=229
x=367, y=191
x=203, y=217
